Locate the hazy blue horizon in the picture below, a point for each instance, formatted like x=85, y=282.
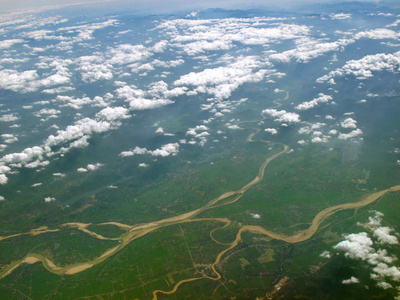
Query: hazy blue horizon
x=157, y=6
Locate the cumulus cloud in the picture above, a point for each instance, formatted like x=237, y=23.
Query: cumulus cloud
x=325, y=254
x=340, y=16
x=271, y=130
x=364, y=67
x=222, y=81
x=282, y=116
x=198, y=131
x=59, y=174
x=82, y=127
x=308, y=48
x=49, y=199
x=8, y=118
x=9, y=138
x=361, y=247
x=356, y=246
x=3, y=179
x=322, y=98
x=30, y=81
x=126, y=53
x=5, y=44
x=137, y=100
x=198, y=36
x=352, y=134
x=90, y=167
x=380, y=33
x=351, y=280
x=349, y=123
x=165, y=150
x=384, y=237
x=24, y=157
x=111, y=114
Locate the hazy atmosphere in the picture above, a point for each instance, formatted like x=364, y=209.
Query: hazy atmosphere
x=229, y=150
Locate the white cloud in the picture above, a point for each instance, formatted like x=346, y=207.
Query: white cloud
x=112, y=114
x=59, y=174
x=165, y=150
x=93, y=167
x=325, y=254
x=360, y=246
x=82, y=127
x=199, y=131
x=3, y=179
x=271, y=130
x=58, y=90
x=24, y=157
x=384, y=237
x=376, y=220
x=222, y=81
x=309, y=48
x=340, y=16
x=143, y=165
x=349, y=123
x=352, y=134
x=5, y=44
x=380, y=33
x=8, y=118
x=49, y=199
x=351, y=280
x=383, y=270
x=159, y=130
x=2, y=198
x=282, y=115
x=125, y=54
x=90, y=167
x=9, y=138
x=364, y=67
x=356, y=246
x=384, y=285
x=30, y=81
x=137, y=150
x=322, y=98
x=137, y=100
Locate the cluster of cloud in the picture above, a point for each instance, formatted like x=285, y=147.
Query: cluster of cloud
x=139, y=99
x=340, y=16
x=195, y=37
x=308, y=48
x=322, y=98
x=349, y=123
x=30, y=80
x=165, y=150
x=49, y=199
x=363, y=68
x=271, y=130
x=74, y=136
x=200, y=132
x=90, y=167
x=282, y=116
x=5, y=44
x=367, y=247
x=222, y=81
